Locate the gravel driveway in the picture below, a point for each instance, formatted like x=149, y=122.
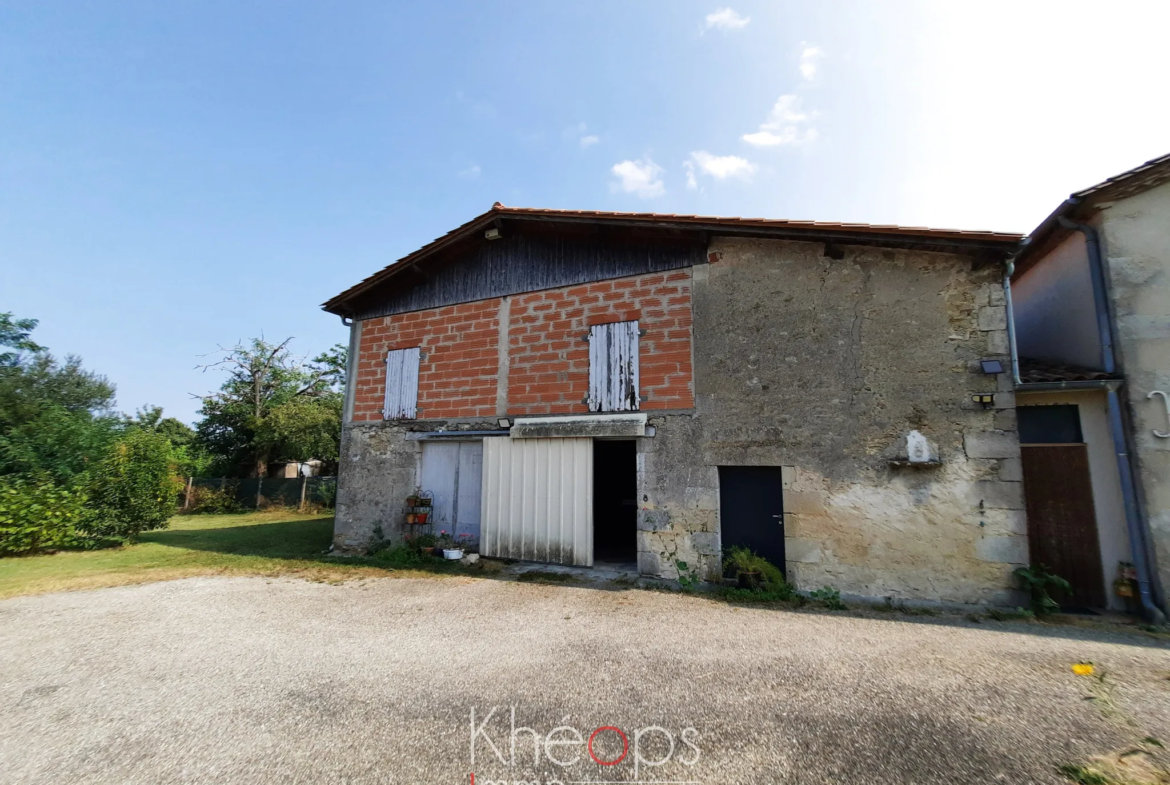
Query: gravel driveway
x=247, y=680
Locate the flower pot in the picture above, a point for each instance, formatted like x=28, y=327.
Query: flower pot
x=411, y=501
x=429, y=551
x=421, y=517
x=411, y=517
x=424, y=501
x=452, y=554
x=748, y=580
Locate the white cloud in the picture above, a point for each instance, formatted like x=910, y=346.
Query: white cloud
x=642, y=177
x=470, y=172
x=589, y=141
x=787, y=123
x=810, y=57
x=720, y=167
x=692, y=183
x=726, y=19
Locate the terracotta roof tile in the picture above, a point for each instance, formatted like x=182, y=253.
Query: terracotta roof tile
x=1043, y=372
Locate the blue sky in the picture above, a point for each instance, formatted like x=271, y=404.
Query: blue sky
x=179, y=175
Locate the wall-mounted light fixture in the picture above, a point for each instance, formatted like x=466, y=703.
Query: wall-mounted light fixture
x=492, y=234
x=504, y=422
x=987, y=400
x=991, y=367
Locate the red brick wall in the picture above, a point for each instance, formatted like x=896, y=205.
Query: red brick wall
x=548, y=371
x=549, y=363
x=457, y=375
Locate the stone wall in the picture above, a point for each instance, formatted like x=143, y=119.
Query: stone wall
x=823, y=366
x=1136, y=235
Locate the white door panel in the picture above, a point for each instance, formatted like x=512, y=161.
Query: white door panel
x=538, y=500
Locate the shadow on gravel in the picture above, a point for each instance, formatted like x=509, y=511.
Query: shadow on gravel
x=310, y=540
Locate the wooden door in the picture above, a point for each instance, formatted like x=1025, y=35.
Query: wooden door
x=1062, y=527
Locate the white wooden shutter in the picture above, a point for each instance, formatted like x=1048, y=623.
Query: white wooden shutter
x=401, y=384
x=613, y=367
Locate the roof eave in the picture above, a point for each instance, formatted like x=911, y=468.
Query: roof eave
x=942, y=240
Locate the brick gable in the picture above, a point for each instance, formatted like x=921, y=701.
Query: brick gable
x=548, y=362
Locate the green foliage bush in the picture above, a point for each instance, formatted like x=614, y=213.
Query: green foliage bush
x=134, y=487
x=739, y=559
x=37, y=514
x=214, y=501
x=1036, y=581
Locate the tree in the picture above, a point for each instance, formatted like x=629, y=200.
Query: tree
x=190, y=457
x=303, y=428
x=134, y=487
x=14, y=333
x=55, y=418
x=261, y=378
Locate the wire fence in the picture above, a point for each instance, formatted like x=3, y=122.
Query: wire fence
x=258, y=493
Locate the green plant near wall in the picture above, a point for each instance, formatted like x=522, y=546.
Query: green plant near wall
x=830, y=597
x=688, y=576
x=1037, y=580
x=739, y=560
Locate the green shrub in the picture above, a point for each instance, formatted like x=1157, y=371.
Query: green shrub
x=739, y=559
x=37, y=514
x=134, y=487
x=206, y=500
x=830, y=597
x=1036, y=581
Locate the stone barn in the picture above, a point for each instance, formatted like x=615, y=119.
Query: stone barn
x=594, y=388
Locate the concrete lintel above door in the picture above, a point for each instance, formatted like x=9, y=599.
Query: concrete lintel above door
x=578, y=426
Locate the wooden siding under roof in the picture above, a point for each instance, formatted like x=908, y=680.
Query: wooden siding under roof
x=526, y=261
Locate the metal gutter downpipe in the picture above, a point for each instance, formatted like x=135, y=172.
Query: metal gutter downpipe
x=1138, y=543
x=1137, y=534
x=1100, y=295
x=1009, y=268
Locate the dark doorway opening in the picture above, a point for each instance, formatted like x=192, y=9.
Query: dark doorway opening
x=615, y=502
x=751, y=510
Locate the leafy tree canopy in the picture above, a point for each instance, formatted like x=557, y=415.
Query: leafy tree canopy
x=54, y=417
x=246, y=424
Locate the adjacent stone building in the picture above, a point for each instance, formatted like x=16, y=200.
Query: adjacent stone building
x=1092, y=311
x=587, y=388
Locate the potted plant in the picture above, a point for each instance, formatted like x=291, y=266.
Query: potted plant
x=412, y=499
x=426, y=499
x=750, y=569
x=425, y=544
x=421, y=517
x=411, y=517
x=450, y=546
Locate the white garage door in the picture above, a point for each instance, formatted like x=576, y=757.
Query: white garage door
x=538, y=500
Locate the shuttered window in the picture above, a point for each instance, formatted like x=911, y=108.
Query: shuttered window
x=613, y=367
x=401, y=384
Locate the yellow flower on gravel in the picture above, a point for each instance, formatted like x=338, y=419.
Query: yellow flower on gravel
x=1082, y=668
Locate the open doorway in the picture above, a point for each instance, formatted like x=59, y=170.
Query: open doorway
x=615, y=502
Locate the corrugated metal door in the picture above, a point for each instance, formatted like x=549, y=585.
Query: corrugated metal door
x=453, y=473
x=538, y=500
x=401, y=384
x=613, y=367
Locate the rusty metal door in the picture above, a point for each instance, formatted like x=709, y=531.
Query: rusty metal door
x=1062, y=527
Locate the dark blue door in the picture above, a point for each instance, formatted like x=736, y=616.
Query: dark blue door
x=751, y=510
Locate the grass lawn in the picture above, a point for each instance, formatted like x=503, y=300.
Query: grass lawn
x=261, y=543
